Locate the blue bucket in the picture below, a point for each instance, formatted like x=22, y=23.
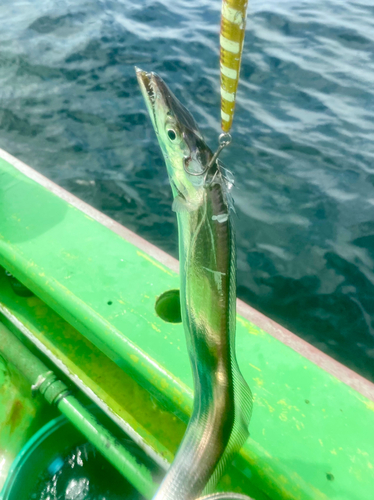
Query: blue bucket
x=46, y=456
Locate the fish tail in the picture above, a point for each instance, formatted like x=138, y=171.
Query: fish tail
x=233, y=22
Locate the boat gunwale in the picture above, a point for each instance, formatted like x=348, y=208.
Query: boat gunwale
x=302, y=347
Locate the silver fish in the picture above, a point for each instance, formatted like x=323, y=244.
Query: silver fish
x=222, y=400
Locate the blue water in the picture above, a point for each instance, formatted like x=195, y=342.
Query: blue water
x=303, y=151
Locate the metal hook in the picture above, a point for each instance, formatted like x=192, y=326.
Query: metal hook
x=224, y=140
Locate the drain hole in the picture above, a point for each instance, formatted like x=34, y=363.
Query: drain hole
x=329, y=476
x=168, y=306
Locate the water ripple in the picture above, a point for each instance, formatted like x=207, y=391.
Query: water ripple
x=303, y=137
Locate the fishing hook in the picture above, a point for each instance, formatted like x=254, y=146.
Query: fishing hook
x=224, y=140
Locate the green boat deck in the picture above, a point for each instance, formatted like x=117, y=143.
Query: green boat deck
x=93, y=316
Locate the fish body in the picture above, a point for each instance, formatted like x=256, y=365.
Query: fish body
x=233, y=22
x=222, y=400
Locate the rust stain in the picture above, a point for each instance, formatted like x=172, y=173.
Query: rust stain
x=15, y=415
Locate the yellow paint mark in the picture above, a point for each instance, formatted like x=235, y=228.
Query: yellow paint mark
x=263, y=432
x=289, y=407
x=283, y=417
x=299, y=425
x=333, y=452
x=364, y=453
x=370, y=465
x=262, y=402
x=155, y=328
x=177, y=392
x=255, y=367
x=282, y=402
x=155, y=263
x=320, y=442
x=259, y=381
x=369, y=404
x=146, y=296
x=252, y=329
x=134, y=358
x=357, y=473
x=69, y=255
x=121, y=301
x=164, y=383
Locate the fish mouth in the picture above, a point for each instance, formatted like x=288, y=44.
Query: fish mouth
x=146, y=84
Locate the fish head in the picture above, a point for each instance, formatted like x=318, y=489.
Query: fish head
x=185, y=152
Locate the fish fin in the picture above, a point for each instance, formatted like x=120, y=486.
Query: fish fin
x=181, y=205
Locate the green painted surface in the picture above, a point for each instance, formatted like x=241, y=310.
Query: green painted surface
x=126, y=399
x=160, y=428
x=57, y=392
x=311, y=436
x=20, y=415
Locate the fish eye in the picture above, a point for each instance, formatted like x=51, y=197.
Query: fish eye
x=172, y=134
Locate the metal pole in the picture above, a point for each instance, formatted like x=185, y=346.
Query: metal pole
x=56, y=392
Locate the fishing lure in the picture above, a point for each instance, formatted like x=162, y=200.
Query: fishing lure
x=222, y=400
x=233, y=22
